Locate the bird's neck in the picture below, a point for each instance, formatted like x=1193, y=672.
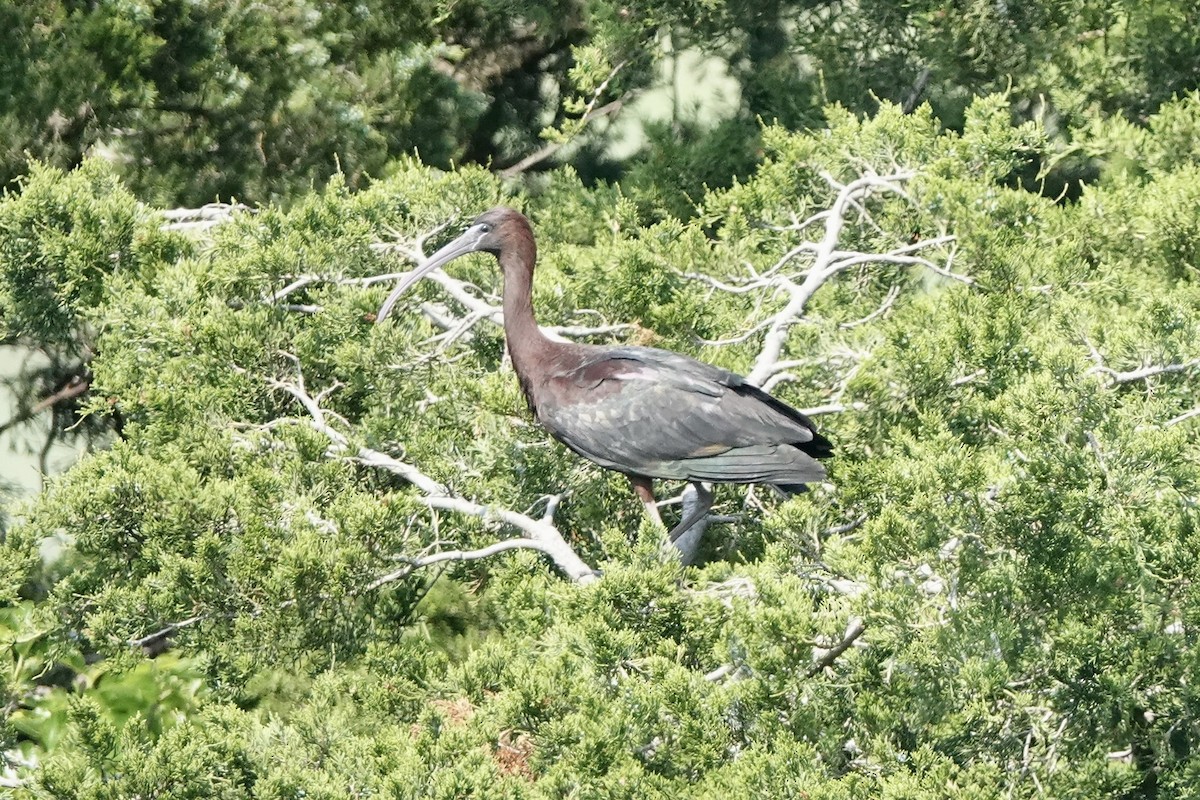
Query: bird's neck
x=526, y=343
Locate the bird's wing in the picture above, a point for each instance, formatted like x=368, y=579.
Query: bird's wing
x=658, y=413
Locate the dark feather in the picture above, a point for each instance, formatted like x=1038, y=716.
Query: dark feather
x=663, y=415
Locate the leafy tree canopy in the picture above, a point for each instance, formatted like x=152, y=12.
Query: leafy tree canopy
x=254, y=591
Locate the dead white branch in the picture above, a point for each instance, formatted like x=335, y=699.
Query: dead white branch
x=155, y=640
x=963, y=379
x=200, y=220
x=454, y=555
x=827, y=261
x=892, y=294
x=844, y=527
x=1094, y=444
x=1141, y=374
x=540, y=534
x=1184, y=417
x=1146, y=371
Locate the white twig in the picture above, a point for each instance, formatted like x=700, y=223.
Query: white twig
x=959, y=381
x=718, y=673
x=200, y=220
x=1094, y=444
x=296, y=285
x=583, y=331
x=1184, y=417
x=828, y=261
x=1143, y=373
x=892, y=294
x=749, y=286
x=541, y=534
x=844, y=527
x=454, y=555
x=151, y=639
x=829, y=408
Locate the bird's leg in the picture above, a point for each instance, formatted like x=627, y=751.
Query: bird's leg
x=704, y=501
x=644, y=488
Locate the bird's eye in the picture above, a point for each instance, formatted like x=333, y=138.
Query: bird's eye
x=485, y=227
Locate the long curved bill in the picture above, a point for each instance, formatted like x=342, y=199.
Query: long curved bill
x=467, y=243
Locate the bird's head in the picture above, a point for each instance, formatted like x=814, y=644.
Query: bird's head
x=490, y=232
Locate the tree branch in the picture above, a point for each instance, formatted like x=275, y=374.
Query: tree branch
x=541, y=534
x=845, y=527
x=155, y=643
x=1143, y=373
x=1184, y=417
x=825, y=658
x=828, y=261
x=454, y=555
x=589, y=112
x=200, y=220
x=892, y=294
x=77, y=385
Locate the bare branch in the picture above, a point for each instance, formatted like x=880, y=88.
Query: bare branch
x=75, y=386
x=825, y=658
x=845, y=527
x=753, y=285
x=891, y=258
x=582, y=331
x=892, y=294
x=1094, y=444
x=719, y=673
x=742, y=336
x=816, y=411
x=1143, y=373
x=1094, y=353
x=541, y=534
x=303, y=308
x=453, y=555
x=200, y=220
x=828, y=261
x=1117, y=377
x=798, y=226
x=373, y=458
x=294, y=286
x=589, y=112
x=155, y=641
x=962, y=379
x=1184, y=417
x=910, y=102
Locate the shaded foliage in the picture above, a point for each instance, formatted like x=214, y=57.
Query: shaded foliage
x=203, y=101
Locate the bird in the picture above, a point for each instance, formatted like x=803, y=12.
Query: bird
x=648, y=413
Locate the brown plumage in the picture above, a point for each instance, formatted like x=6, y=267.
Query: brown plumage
x=645, y=412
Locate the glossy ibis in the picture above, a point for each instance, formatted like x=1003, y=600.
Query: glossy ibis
x=644, y=412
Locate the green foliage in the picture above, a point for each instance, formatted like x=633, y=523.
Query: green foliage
x=1011, y=514
x=200, y=101
x=256, y=102
x=60, y=237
